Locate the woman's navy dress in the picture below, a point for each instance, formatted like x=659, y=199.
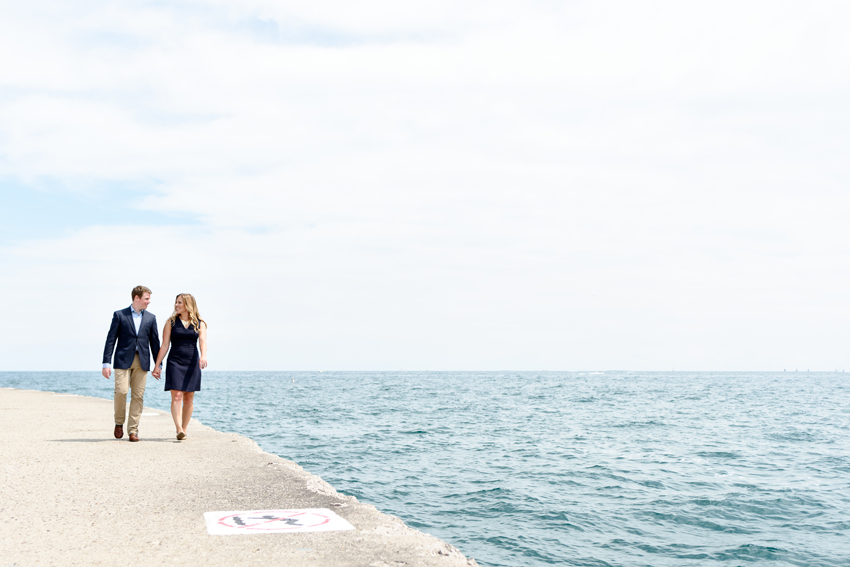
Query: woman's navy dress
x=182, y=371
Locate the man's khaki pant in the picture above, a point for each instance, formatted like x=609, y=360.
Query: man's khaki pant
x=135, y=378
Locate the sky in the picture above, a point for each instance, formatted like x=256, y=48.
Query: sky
x=479, y=185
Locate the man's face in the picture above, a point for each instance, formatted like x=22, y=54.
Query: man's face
x=142, y=302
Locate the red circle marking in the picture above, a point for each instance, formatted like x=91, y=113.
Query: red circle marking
x=222, y=521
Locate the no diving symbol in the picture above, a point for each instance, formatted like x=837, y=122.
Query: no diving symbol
x=274, y=521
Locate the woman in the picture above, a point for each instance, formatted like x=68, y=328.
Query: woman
x=183, y=330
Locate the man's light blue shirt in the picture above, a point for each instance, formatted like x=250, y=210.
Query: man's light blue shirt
x=137, y=318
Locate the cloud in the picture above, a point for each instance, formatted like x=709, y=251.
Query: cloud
x=382, y=185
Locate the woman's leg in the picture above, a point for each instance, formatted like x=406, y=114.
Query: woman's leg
x=177, y=408
x=188, y=406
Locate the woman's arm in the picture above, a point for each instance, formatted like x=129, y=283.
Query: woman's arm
x=163, y=350
x=202, y=336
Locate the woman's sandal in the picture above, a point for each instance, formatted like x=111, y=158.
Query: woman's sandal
x=181, y=436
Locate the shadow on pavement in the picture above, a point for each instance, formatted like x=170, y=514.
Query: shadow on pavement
x=143, y=440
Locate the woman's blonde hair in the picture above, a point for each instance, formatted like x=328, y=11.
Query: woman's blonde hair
x=192, y=307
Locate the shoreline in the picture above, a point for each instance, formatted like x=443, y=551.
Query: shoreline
x=74, y=495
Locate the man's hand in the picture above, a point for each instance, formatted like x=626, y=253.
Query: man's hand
x=107, y=372
x=157, y=372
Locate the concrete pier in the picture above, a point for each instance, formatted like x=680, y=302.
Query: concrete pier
x=71, y=494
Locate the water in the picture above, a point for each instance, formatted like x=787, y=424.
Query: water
x=559, y=468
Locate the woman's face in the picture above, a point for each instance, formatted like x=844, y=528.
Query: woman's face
x=178, y=306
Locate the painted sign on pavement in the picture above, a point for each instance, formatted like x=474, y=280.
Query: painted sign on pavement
x=274, y=522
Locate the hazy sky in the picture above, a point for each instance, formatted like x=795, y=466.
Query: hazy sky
x=430, y=185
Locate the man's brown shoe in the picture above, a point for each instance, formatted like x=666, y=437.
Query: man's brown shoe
x=119, y=431
x=134, y=437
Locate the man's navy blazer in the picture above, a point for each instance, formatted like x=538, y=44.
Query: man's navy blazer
x=124, y=330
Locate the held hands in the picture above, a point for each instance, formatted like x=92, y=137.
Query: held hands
x=203, y=362
x=157, y=372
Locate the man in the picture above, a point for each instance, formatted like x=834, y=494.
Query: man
x=134, y=330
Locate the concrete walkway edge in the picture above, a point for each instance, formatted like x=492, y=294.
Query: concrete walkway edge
x=71, y=494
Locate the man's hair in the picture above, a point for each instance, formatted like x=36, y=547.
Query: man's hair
x=139, y=291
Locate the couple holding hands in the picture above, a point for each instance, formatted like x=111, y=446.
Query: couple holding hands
x=133, y=338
